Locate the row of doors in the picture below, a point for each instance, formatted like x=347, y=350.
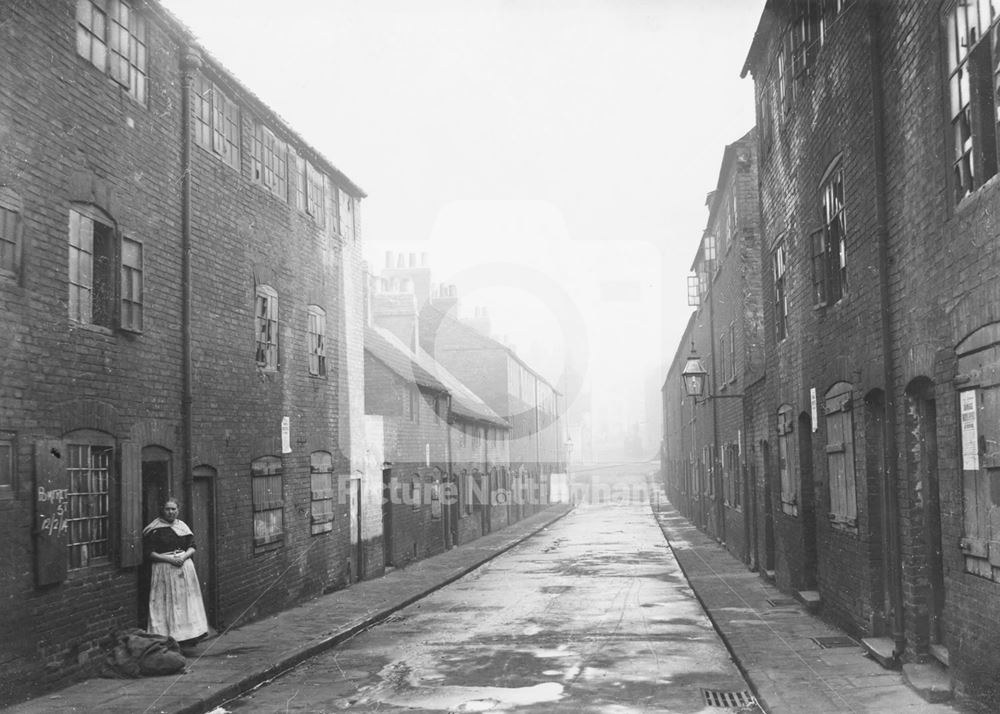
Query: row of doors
x=156, y=490
x=920, y=466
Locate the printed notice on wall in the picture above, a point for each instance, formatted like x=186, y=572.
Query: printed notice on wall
x=814, y=408
x=286, y=435
x=970, y=433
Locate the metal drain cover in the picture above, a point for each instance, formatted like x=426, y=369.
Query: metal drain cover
x=835, y=641
x=727, y=700
x=782, y=602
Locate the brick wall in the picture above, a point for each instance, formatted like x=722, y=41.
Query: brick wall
x=74, y=136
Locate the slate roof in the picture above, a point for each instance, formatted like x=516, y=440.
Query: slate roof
x=423, y=370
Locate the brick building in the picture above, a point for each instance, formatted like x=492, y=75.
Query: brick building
x=511, y=388
x=180, y=276
x=878, y=155
x=709, y=448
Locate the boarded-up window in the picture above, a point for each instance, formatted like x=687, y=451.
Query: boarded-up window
x=786, y=463
x=840, y=455
x=322, y=487
x=979, y=414
x=268, y=500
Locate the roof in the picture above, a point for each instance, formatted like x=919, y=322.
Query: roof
x=759, y=37
x=186, y=36
x=388, y=350
x=728, y=156
x=422, y=369
x=483, y=341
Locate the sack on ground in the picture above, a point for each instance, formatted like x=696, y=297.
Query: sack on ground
x=137, y=653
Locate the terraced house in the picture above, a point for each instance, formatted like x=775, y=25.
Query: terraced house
x=881, y=255
x=182, y=298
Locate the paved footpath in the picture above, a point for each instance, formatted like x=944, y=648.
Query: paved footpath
x=790, y=673
x=242, y=658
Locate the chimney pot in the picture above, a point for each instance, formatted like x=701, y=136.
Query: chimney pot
x=423, y=260
x=401, y=260
x=388, y=259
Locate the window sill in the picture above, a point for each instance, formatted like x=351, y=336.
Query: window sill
x=90, y=327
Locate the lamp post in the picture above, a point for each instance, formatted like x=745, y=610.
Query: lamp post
x=694, y=377
x=569, y=453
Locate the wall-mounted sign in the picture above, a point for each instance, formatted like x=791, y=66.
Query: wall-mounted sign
x=286, y=435
x=970, y=431
x=813, y=408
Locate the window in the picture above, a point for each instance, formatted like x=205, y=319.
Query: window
x=732, y=351
x=461, y=435
x=298, y=178
x=89, y=467
x=8, y=454
x=348, y=216
x=731, y=477
x=778, y=262
x=131, y=298
x=11, y=232
x=840, y=455
x=316, y=332
x=723, y=355
x=468, y=487
x=829, y=243
x=784, y=78
x=270, y=161
x=217, y=121
x=93, y=262
x=266, y=319
x=268, y=500
x=786, y=463
x=973, y=73
x=315, y=195
x=321, y=474
x=766, y=119
x=413, y=410
x=979, y=413
x=111, y=35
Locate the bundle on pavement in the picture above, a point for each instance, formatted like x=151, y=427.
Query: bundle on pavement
x=137, y=653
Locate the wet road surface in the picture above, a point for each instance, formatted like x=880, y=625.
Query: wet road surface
x=592, y=614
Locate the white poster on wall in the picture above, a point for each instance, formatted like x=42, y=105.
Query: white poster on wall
x=814, y=408
x=970, y=431
x=286, y=435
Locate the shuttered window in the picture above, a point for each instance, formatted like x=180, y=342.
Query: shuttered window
x=840, y=456
x=268, y=500
x=979, y=414
x=322, y=491
x=787, y=463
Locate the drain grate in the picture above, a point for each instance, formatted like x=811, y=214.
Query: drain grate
x=782, y=602
x=835, y=641
x=720, y=699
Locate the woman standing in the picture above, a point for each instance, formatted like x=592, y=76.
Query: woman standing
x=175, y=606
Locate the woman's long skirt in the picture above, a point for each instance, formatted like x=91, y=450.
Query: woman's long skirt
x=175, y=606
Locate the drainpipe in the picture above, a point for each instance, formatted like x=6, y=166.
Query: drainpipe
x=888, y=487
x=718, y=487
x=450, y=477
x=190, y=63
